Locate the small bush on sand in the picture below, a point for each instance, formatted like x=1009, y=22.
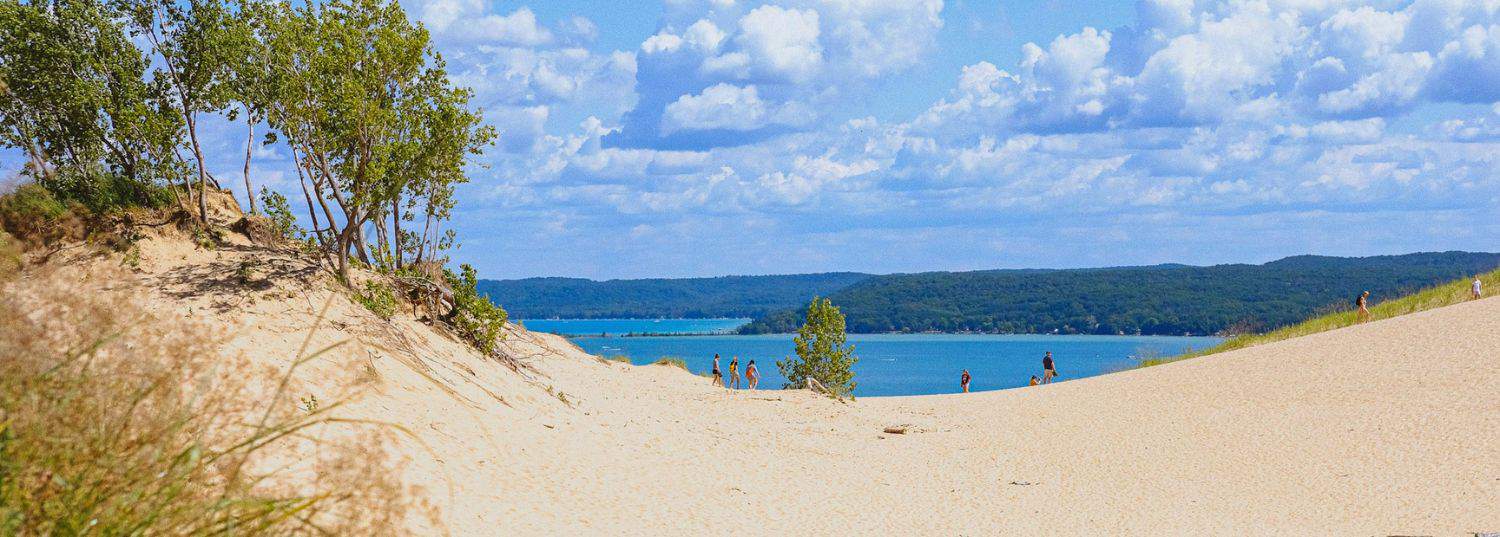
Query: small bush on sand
x=474, y=316
x=280, y=212
x=672, y=361
x=822, y=352
x=113, y=422
x=378, y=298
x=32, y=213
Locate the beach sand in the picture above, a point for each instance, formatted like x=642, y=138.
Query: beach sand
x=1387, y=428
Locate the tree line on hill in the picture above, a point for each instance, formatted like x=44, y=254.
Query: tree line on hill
x=1153, y=300
x=729, y=296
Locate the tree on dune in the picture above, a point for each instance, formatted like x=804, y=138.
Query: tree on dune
x=823, y=353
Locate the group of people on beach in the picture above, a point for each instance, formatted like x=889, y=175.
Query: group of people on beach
x=752, y=374
x=1049, y=372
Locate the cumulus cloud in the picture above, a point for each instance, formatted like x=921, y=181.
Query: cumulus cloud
x=466, y=20
x=725, y=106
x=783, y=43
x=802, y=54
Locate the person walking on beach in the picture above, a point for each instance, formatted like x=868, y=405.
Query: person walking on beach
x=752, y=375
x=734, y=372
x=964, y=381
x=1476, y=288
x=1048, y=370
x=1364, y=311
x=718, y=377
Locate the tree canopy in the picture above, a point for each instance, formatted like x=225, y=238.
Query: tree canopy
x=823, y=353
x=379, y=134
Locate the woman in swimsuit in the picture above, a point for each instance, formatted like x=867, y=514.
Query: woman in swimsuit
x=752, y=375
x=1364, y=312
x=718, y=377
x=734, y=372
x=964, y=381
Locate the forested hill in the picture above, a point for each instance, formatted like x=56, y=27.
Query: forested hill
x=728, y=296
x=1161, y=299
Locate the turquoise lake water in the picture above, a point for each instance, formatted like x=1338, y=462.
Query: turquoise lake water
x=894, y=364
x=617, y=327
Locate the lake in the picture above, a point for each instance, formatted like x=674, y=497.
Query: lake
x=618, y=327
x=890, y=364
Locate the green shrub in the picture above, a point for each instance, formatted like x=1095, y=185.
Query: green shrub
x=104, y=192
x=280, y=213
x=378, y=298
x=672, y=361
x=31, y=211
x=474, y=316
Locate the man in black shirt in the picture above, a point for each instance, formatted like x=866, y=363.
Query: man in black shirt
x=1048, y=371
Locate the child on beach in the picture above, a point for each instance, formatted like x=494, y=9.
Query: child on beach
x=1476, y=287
x=734, y=372
x=1048, y=371
x=752, y=375
x=1033, y=381
x=718, y=377
x=964, y=381
x=1364, y=312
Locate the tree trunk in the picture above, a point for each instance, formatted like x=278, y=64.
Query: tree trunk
x=426, y=236
x=202, y=172
x=359, y=244
x=249, y=144
x=396, y=226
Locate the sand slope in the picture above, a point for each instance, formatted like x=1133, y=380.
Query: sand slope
x=1391, y=427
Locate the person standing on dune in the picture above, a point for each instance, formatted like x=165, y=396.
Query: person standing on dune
x=964, y=381
x=1048, y=369
x=718, y=377
x=1476, y=288
x=752, y=375
x=1364, y=311
x=734, y=372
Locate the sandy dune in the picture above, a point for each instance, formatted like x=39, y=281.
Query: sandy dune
x=1387, y=428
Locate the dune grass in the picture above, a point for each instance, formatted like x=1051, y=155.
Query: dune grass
x=672, y=361
x=1430, y=298
x=115, y=422
x=614, y=359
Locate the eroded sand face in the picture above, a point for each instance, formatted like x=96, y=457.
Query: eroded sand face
x=1391, y=427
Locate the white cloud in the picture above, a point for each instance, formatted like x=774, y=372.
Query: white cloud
x=725, y=106
x=782, y=43
x=1396, y=84
x=465, y=20
x=1468, y=68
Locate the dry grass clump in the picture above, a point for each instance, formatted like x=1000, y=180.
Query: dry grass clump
x=1430, y=298
x=113, y=422
x=613, y=359
x=672, y=361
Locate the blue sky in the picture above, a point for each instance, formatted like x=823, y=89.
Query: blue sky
x=711, y=137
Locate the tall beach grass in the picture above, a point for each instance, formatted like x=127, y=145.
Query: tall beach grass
x=115, y=422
